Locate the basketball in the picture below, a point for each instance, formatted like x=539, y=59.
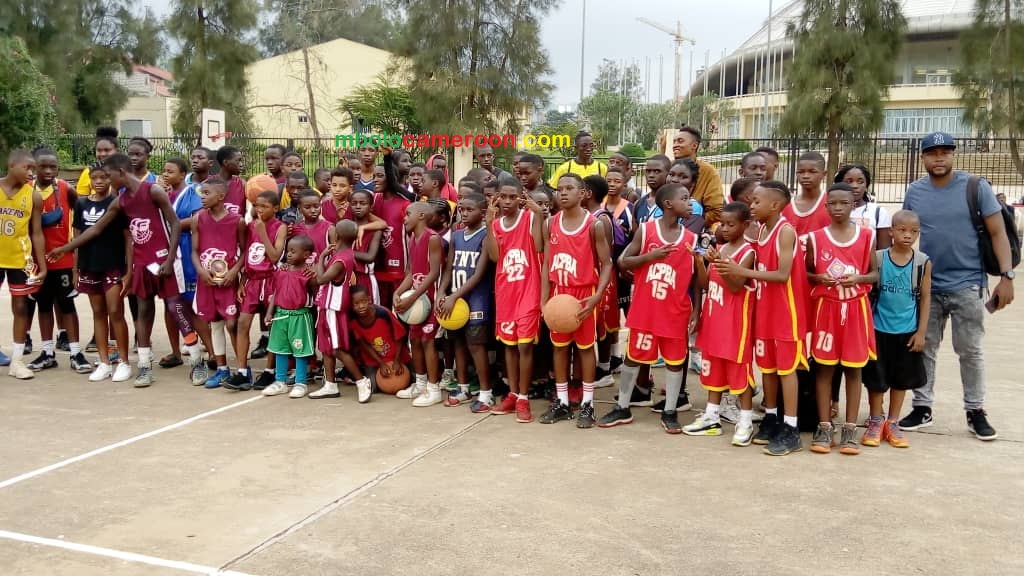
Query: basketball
x=394, y=383
x=560, y=313
x=458, y=318
x=257, y=184
x=418, y=312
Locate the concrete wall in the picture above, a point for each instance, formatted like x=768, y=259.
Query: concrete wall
x=158, y=111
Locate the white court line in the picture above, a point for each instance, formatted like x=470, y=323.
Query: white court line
x=118, y=554
x=132, y=440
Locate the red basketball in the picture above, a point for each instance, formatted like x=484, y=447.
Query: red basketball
x=560, y=313
x=394, y=383
x=259, y=183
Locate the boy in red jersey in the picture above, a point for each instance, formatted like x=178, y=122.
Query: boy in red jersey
x=217, y=242
x=579, y=263
x=608, y=317
x=291, y=328
x=780, y=317
x=807, y=212
x=725, y=338
x=513, y=241
x=383, y=348
x=426, y=255
x=390, y=204
x=663, y=269
x=842, y=268
x=367, y=245
x=231, y=163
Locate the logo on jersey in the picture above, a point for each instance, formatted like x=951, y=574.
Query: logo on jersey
x=507, y=327
x=233, y=208
x=211, y=254
x=417, y=280
x=231, y=310
x=514, y=265
x=563, y=262
x=386, y=239
x=141, y=230
x=661, y=272
x=257, y=253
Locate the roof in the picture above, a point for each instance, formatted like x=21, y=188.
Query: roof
x=153, y=71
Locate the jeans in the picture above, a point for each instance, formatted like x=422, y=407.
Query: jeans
x=966, y=307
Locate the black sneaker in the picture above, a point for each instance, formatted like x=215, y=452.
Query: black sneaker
x=682, y=404
x=977, y=422
x=42, y=362
x=62, y=341
x=670, y=422
x=28, y=344
x=80, y=364
x=768, y=429
x=211, y=364
x=615, y=362
x=603, y=378
x=556, y=412
x=617, y=416
x=919, y=417
x=585, y=417
x=238, y=381
x=265, y=379
x=91, y=346
x=542, y=390
x=639, y=397
x=785, y=442
x=261, y=348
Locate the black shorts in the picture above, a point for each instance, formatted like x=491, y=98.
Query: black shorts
x=17, y=281
x=897, y=367
x=58, y=288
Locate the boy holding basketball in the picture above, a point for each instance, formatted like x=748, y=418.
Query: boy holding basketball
x=578, y=260
x=381, y=338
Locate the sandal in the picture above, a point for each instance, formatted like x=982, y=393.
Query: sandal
x=170, y=361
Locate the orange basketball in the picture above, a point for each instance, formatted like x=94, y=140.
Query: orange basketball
x=394, y=383
x=560, y=313
x=259, y=183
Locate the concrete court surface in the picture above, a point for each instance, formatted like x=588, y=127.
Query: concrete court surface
x=103, y=479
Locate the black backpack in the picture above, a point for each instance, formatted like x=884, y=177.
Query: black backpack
x=990, y=264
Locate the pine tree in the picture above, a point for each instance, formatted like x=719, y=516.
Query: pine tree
x=841, y=69
x=209, y=71
x=991, y=74
x=299, y=23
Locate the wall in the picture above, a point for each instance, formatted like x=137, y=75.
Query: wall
x=157, y=110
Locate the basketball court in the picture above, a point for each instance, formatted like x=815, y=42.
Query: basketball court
x=104, y=479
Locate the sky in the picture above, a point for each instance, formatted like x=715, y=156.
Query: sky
x=613, y=32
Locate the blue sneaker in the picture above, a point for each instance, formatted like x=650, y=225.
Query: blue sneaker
x=219, y=377
x=5, y=360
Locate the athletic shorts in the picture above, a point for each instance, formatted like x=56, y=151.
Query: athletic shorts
x=147, y=285
x=585, y=335
x=332, y=331
x=780, y=357
x=98, y=283
x=844, y=333
x=609, y=321
x=646, y=348
x=719, y=375
x=897, y=367
x=215, y=303
x=369, y=281
x=386, y=291
x=475, y=335
x=428, y=329
x=58, y=288
x=291, y=332
x=520, y=330
x=17, y=282
x=256, y=294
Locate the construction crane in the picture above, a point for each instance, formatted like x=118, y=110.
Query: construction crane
x=679, y=39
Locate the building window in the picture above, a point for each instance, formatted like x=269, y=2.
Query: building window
x=303, y=119
x=917, y=122
x=133, y=128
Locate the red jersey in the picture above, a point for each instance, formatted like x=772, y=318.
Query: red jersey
x=58, y=233
x=330, y=212
x=517, y=278
x=392, y=242
x=147, y=226
x=841, y=259
x=806, y=222
x=727, y=318
x=334, y=295
x=218, y=239
x=661, y=289
x=383, y=335
x=234, y=200
x=419, y=260
x=291, y=289
x=364, y=246
x=257, y=265
x=320, y=234
x=782, y=307
x=572, y=254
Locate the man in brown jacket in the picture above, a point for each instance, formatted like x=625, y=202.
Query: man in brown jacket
x=709, y=184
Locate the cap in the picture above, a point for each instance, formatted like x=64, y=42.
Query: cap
x=937, y=140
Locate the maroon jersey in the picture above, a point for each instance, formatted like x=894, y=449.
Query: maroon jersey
x=841, y=259
x=782, y=307
x=382, y=335
x=147, y=226
x=727, y=317
x=392, y=242
x=218, y=239
x=419, y=260
x=363, y=245
x=334, y=295
x=330, y=212
x=806, y=222
x=661, y=288
x=291, y=290
x=572, y=254
x=234, y=200
x=319, y=233
x=517, y=279
x=257, y=265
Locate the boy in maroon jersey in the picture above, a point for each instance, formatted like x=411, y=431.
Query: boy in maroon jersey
x=217, y=242
x=230, y=160
x=578, y=260
x=367, y=246
x=426, y=255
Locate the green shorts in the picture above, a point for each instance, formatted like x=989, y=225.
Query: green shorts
x=291, y=332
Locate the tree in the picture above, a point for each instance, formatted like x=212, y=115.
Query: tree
x=707, y=112
x=27, y=115
x=842, y=66
x=475, y=64
x=608, y=113
x=625, y=80
x=651, y=119
x=210, y=69
x=321, y=21
x=383, y=106
x=992, y=60
x=559, y=128
x=556, y=117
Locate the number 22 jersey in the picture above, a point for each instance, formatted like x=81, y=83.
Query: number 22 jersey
x=661, y=289
x=517, y=279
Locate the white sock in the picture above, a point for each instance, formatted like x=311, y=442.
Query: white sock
x=562, y=389
x=606, y=366
x=746, y=417
x=17, y=351
x=789, y=420
x=421, y=379
x=712, y=411
x=464, y=388
x=243, y=371
x=48, y=347
x=486, y=397
x=771, y=411
x=76, y=348
x=145, y=356
x=588, y=392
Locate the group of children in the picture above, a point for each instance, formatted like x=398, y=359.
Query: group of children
x=780, y=282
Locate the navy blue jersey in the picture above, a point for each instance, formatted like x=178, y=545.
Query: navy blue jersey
x=468, y=247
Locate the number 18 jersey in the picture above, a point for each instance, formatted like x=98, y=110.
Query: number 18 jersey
x=661, y=289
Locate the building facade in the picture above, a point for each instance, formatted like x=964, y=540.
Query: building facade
x=151, y=104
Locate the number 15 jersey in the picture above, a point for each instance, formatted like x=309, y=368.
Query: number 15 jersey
x=661, y=289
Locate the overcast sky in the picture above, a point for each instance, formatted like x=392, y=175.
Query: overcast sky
x=613, y=32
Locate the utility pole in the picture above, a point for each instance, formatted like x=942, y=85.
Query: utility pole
x=583, y=46
x=764, y=74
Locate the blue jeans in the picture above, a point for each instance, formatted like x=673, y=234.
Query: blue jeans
x=966, y=308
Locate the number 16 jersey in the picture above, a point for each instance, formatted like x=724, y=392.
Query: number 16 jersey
x=661, y=289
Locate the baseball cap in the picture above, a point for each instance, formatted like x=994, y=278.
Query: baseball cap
x=937, y=140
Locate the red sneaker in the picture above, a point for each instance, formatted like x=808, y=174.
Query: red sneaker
x=523, y=414
x=507, y=405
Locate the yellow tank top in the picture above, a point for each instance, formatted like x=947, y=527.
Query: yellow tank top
x=15, y=242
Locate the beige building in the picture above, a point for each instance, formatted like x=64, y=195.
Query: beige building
x=279, y=100
x=151, y=104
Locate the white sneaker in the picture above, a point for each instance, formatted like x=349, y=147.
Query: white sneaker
x=101, y=373
x=695, y=366
x=730, y=411
x=431, y=395
x=413, y=391
x=365, y=389
x=20, y=371
x=703, y=426
x=328, y=390
x=447, y=377
x=298, y=391
x=743, y=435
x=275, y=389
x=123, y=372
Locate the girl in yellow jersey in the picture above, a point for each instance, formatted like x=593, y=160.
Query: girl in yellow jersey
x=106, y=144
